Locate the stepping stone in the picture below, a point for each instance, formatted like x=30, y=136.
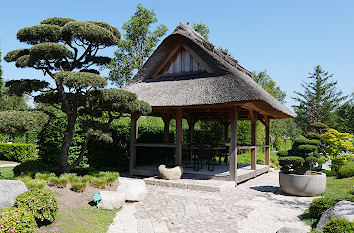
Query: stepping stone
x=191, y=210
x=160, y=227
x=203, y=210
x=145, y=226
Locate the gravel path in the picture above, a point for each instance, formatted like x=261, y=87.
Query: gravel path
x=255, y=206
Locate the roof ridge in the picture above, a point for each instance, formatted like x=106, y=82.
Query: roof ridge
x=211, y=47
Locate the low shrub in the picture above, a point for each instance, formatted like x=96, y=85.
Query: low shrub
x=44, y=175
x=18, y=152
x=59, y=182
x=35, y=184
x=99, y=182
x=289, y=164
x=17, y=220
x=347, y=170
x=336, y=164
x=337, y=225
x=319, y=206
x=78, y=186
x=35, y=166
x=70, y=176
x=329, y=173
x=111, y=177
x=282, y=153
x=40, y=202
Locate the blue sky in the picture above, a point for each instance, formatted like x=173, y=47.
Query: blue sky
x=286, y=38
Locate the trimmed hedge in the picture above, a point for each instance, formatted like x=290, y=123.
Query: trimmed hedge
x=18, y=152
x=319, y=206
x=16, y=220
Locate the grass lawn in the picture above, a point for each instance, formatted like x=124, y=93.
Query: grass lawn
x=6, y=172
x=246, y=158
x=6, y=162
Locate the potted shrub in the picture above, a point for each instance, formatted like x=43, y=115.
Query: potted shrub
x=296, y=176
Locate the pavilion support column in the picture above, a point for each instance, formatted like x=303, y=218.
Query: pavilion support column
x=253, y=140
x=233, y=144
x=267, y=142
x=166, y=128
x=178, y=158
x=226, y=131
x=133, y=136
x=191, y=124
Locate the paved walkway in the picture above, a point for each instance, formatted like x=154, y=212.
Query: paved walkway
x=9, y=165
x=255, y=206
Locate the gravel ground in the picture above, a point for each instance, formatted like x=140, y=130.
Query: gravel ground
x=255, y=206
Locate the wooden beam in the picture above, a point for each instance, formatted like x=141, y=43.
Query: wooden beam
x=253, y=139
x=267, y=141
x=178, y=155
x=133, y=134
x=233, y=144
x=166, y=129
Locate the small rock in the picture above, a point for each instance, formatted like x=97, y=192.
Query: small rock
x=9, y=190
x=290, y=230
x=111, y=200
x=326, y=165
x=134, y=190
x=343, y=209
x=170, y=173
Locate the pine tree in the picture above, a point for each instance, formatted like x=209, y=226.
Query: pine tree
x=318, y=101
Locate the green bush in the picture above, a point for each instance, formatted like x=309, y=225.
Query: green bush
x=347, y=170
x=69, y=176
x=290, y=163
x=329, y=173
x=99, y=182
x=282, y=153
x=336, y=164
x=40, y=202
x=78, y=186
x=44, y=175
x=35, y=184
x=18, y=152
x=17, y=220
x=59, y=182
x=35, y=166
x=339, y=225
x=319, y=206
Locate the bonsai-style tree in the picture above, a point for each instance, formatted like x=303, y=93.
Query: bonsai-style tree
x=66, y=51
x=301, y=158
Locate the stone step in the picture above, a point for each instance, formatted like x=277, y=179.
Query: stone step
x=200, y=185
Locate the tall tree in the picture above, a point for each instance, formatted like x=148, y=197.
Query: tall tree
x=66, y=50
x=345, y=116
x=268, y=84
x=318, y=100
x=138, y=44
x=202, y=29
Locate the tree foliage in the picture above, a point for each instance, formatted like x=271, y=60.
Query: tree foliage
x=318, y=100
x=345, y=116
x=65, y=49
x=268, y=84
x=202, y=29
x=138, y=44
x=337, y=142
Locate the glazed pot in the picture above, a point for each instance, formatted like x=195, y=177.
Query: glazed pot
x=311, y=184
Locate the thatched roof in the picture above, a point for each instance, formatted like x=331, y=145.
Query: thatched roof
x=226, y=82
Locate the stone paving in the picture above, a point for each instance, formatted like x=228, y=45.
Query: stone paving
x=255, y=206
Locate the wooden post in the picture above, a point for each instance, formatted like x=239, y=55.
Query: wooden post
x=191, y=124
x=178, y=158
x=133, y=134
x=166, y=128
x=253, y=140
x=233, y=145
x=267, y=149
x=226, y=131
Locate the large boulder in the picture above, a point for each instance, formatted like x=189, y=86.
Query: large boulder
x=134, y=190
x=111, y=200
x=343, y=209
x=170, y=173
x=9, y=190
x=290, y=230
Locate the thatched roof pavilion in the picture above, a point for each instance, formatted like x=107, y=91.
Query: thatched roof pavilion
x=188, y=77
